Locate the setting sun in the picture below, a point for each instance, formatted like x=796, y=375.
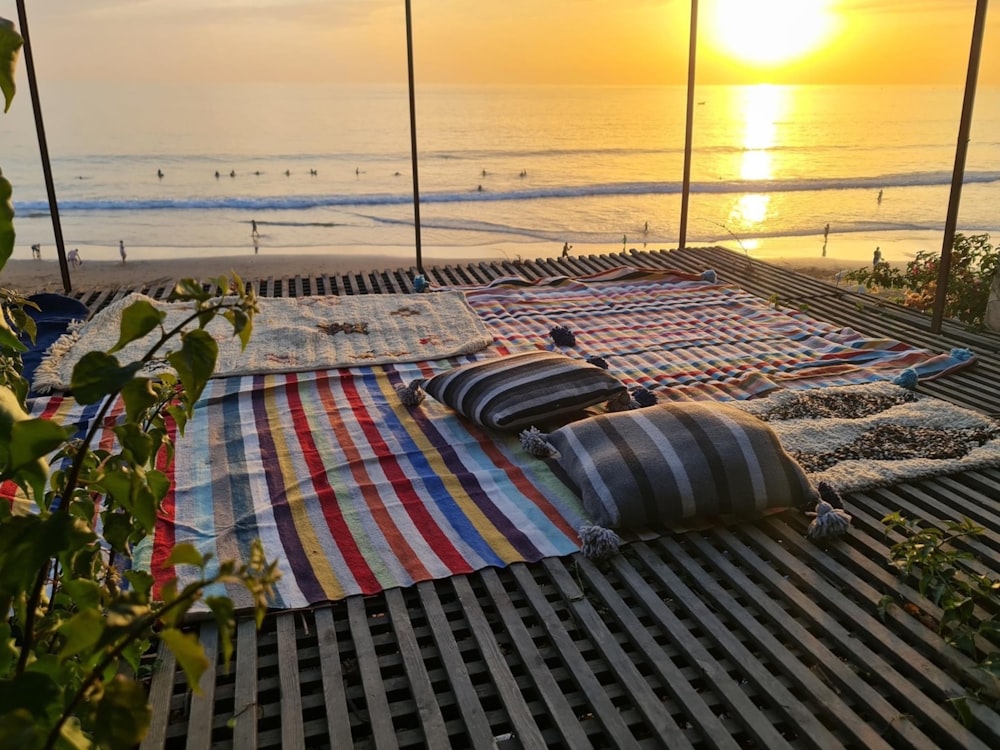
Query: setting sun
x=770, y=32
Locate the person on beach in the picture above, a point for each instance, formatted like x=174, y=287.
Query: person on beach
x=253, y=228
x=566, y=248
x=121, y=250
x=73, y=256
x=876, y=257
x=624, y=241
x=36, y=251
x=879, y=199
x=645, y=228
x=159, y=173
x=826, y=236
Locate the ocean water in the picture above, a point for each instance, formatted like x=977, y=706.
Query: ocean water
x=525, y=169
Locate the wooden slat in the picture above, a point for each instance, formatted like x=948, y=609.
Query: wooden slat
x=582, y=672
x=379, y=715
x=558, y=709
x=160, y=691
x=245, y=705
x=334, y=697
x=202, y=711
x=661, y=723
x=292, y=733
x=524, y=725
x=471, y=709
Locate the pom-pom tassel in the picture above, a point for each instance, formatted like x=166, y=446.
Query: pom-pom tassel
x=708, y=275
x=962, y=355
x=420, y=283
x=596, y=361
x=643, y=397
x=597, y=542
x=621, y=401
x=534, y=442
x=412, y=394
x=562, y=336
x=907, y=379
x=828, y=522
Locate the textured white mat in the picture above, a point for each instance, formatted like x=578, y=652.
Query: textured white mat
x=292, y=334
x=858, y=437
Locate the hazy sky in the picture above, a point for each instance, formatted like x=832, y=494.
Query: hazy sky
x=507, y=41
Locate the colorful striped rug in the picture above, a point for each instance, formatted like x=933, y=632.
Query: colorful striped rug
x=686, y=337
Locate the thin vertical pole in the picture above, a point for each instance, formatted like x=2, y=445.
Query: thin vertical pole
x=43, y=149
x=958, y=174
x=413, y=137
x=689, y=126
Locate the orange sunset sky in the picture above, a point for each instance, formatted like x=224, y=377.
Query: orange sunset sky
x=509, y=41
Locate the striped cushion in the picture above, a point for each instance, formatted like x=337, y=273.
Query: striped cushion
x=674, y=461
x=523, y=389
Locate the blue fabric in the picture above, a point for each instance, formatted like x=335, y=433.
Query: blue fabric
x=55, y=313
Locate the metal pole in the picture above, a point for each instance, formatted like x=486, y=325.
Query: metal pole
x=689, y=127
x=413, y=136
x=965, y=126
x=43, y=148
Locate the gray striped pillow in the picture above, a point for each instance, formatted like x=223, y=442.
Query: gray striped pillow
x=676, y=461
x=522, y=389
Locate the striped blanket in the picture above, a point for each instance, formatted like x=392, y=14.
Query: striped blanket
x=686, y=337
x=354, y=493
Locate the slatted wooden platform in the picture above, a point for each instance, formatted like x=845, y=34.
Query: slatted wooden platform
x=748, y=637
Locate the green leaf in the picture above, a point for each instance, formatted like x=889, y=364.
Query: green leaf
x=10, y=45
x=135, y=442
x=34, y=692
x=98, y=374
x=138, y=396
x=138, y=319
x=82, y=632
x=962, y=710
x=6, y=221
x=189, y=654
x=117, y=529
x=144, y=508
x=123, y=715
x=195, y=362
x=32, y=439
x=8, y=338
x=84, y=593
x=19, y=729
x=159, y=485
x=241, y=322
x=185, y=554
x=224, y=614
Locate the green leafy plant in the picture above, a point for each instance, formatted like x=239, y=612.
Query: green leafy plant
x=75, y=616
x=974, y=263
x=929, y=556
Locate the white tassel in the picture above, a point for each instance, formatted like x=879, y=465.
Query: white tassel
x=412, y=394
x=534, y=441
x=828, y=522
x=597, y=542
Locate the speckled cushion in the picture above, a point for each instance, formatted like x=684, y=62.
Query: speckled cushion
x=677, y=461
x=522, y=389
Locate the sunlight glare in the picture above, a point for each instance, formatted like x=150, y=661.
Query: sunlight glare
x=770, y=32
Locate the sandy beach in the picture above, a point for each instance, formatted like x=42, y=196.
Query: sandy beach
x=147, y=267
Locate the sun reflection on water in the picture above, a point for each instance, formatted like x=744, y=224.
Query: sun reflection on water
x=762, y=106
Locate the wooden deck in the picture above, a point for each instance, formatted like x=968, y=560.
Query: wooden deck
x=747, y=637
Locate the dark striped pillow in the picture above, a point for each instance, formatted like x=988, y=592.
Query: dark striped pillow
x=676, y=461
x=523, y=389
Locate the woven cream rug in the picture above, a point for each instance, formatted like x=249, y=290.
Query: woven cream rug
x=859, y=437
x=292, y=334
